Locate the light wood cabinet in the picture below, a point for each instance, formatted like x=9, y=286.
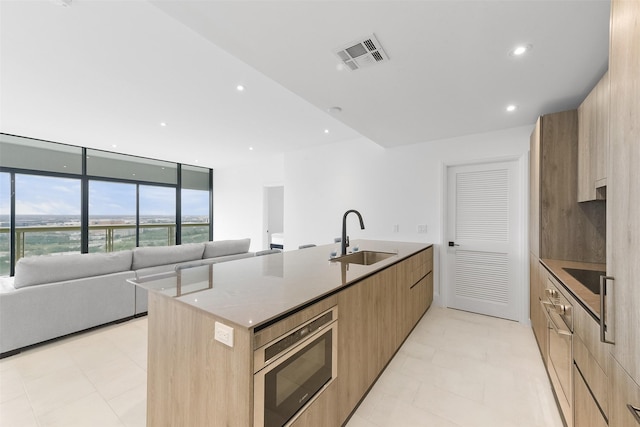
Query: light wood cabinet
x=376, y=315
x=193, y=380
x=624, y=392
x=623, y=186
x=592, y=375
x=357, y=342
x=586, y=411
x=587, y=147
x=414, y=291
x=538, y=320
x=560, y=228
x=602, y=134
x=593, y=142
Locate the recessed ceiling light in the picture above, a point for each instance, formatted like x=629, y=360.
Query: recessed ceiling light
x=240, y=88
x=520, y=50
x=163, y=124
x=511, y=108
x=326, y=131
x=334, y=110
x=250, y=148
x=114, y=145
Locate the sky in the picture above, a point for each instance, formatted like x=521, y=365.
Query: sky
x=41, y=195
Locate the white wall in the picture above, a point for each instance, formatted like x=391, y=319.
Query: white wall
x=238, y=199
x=400, y=186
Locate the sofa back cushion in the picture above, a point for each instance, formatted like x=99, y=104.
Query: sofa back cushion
x=160, y=255
x=36, y=270
x=226, y=247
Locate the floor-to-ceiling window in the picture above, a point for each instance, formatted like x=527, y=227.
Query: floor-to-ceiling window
x=195, y=204
x=112, y=216
x=5, y=223
x=71, y=199
x=157, y=215
x=47, y=219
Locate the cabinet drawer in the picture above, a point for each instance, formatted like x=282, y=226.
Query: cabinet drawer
x=594, y=376
x=586, y=412
x=625, y=393
x=588, y=330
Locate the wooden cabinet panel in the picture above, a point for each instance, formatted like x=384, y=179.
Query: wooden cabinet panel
x=602, y=132
x=624, y=391
x=376, y=315
x=357, y=339
x=623, y=184
x=323, y=412
x=185, y=363
x=593, y=142
x=538, y=320
x=586, y=411
x=386, y=305
x=568, y=230
x=592, y=375
x=587, y=131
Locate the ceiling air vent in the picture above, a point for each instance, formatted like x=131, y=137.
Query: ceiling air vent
x=362, y=53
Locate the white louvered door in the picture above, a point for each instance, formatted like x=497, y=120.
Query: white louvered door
x=483, y=222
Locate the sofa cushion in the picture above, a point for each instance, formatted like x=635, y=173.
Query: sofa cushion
x=37, y=270
x=159, y=255
x=226, y=247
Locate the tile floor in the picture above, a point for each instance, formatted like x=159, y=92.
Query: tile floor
x=456, y=369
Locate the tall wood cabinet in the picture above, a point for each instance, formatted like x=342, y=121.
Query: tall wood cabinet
x=623, y=207
x=559, y=227
x=593, y=142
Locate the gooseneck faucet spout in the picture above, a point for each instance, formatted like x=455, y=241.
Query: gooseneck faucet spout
x=345, y=239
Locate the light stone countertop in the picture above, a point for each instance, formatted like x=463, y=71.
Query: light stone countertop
x=250, y=292
x=589, y=299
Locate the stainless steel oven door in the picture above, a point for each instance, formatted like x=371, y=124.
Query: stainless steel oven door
x=559, y=360
x=289, y=383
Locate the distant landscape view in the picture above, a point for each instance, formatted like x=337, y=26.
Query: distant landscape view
x=60, y=234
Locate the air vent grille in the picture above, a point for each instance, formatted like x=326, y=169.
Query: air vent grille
x=362, y=53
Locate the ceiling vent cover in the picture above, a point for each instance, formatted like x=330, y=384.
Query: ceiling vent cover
x=362, y=53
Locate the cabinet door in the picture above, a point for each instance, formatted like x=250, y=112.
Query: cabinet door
x=623, y=183
x=602, y=136
x=538, y=320
x=587, y=130
x=624, y=392
x=357, y=340
x=586, y=411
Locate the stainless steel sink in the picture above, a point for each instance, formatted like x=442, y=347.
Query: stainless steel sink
x=364, y=257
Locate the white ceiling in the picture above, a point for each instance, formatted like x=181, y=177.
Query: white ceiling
x=101, y=73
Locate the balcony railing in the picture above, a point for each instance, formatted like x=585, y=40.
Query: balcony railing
x=112, y=234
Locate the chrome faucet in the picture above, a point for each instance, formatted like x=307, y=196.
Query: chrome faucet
x=345, y=239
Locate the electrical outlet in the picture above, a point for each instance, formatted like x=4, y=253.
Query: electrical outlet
x=422, y=228
x=396, y=228
x=224, y=334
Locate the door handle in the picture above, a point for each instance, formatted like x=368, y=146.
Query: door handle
x=452, y=244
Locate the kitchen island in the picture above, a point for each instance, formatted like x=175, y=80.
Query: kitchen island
x=207, y=323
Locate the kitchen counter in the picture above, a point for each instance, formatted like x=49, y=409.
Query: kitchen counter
x=252, y=292
x=587, y=298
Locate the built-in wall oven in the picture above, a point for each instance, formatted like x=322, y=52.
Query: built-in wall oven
x=291, y=371
x=559, y=313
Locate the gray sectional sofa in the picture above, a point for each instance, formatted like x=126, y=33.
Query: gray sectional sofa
x=55, y=295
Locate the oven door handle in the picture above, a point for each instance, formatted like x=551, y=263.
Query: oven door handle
x=555, y=328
